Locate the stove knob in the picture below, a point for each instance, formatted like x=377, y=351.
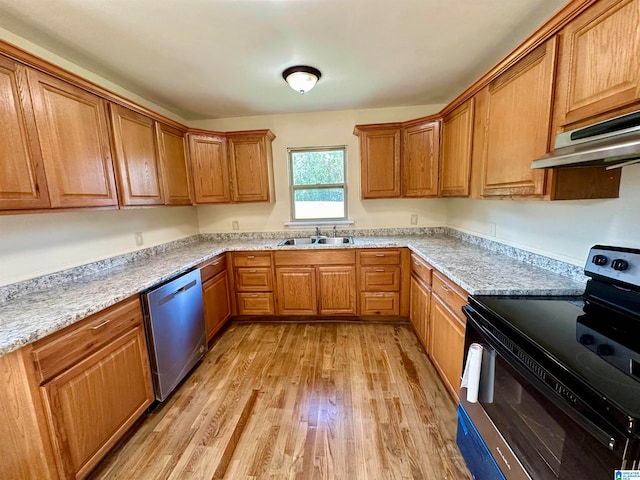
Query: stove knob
x=600, y=260
x=586, y=339
x=619, y=264
x=604, y=350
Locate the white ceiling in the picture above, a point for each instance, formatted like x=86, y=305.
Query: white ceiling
x=224, y=58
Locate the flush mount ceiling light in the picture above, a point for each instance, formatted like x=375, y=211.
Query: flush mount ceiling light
x=301, y=78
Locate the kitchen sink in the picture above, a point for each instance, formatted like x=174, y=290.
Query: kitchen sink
x=317, y=241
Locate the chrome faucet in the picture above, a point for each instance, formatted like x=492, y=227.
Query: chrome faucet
x=317, y=231
x=334, y=231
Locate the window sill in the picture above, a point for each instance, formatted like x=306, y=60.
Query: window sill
x=300, y=223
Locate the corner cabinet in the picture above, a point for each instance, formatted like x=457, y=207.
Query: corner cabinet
x=457, y=142
x=22, y=183
x=136, y=159
x=73, y=131
x=399, y=161
x=173, y=163
x=251, y=166
x=420, y=158
x=599, y=62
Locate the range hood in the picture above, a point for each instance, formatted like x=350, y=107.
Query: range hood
x=613, y=143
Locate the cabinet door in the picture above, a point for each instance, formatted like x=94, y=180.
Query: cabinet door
x=296, y=291
x=173, y=164
x=455, y=162
x=380, y=163
x=517, y=123
x=420, y=157
x=250, y=169
x=600, y=60
x=73, y=133
x=210, y=169
x=91, y=405
x=419, y=311
x=135, y=157
x=446, y=345
x=217, y=306
x=22, y=183
x=337, y=290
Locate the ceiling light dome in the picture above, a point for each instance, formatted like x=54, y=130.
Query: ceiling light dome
x=301, y=78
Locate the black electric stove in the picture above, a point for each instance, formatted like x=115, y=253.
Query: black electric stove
x=568, y=367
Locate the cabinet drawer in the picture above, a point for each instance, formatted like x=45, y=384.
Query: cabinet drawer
x=62, y=349
x=452, y=295
x=211, y=268
x=387, y=256
x=252, y=259
x=254, y=279
x=255, y=304
x=421, y=269
x=317, y=257
x=380, y=279
x=381, y=303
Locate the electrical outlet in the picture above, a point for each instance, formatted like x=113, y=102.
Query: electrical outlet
x=491, y=229
x=139, y=239
x=235, y=225
x=414, y=219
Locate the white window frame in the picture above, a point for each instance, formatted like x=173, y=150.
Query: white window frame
x=294, y=188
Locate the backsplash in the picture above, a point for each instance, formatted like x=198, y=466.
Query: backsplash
x=15, y=290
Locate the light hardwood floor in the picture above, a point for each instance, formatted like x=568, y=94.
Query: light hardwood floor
x=351, y=401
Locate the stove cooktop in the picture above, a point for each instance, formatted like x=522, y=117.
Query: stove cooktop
x=595, y=345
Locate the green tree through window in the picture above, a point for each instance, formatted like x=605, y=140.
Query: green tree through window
x=318, y=183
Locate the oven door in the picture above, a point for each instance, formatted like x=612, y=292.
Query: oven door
x=530, y=430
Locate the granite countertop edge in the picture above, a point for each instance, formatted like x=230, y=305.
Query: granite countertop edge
x=66, y=304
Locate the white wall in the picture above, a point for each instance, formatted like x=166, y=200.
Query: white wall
x=37, y=244
x=319, y=129
x=565, y=229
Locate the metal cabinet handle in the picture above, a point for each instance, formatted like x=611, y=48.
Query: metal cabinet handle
x=445, y=288
x=216, y=263
x=379, y=269
x=251, y=256
x=101, y=324
x=253, y=271
x=254, y=295
x=379, y=254
x=379, y=294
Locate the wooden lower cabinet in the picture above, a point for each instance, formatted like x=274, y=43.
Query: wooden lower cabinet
x=296, y=287
x=217, y=306
x=337, y=290
x=419, y=310
x=446, y=344
x=91, y=405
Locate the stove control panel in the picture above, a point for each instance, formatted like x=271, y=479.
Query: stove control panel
x=616, y=263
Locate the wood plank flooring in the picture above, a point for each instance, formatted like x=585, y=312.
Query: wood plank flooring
x=353, y=401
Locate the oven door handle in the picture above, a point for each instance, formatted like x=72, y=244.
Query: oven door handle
x=608, y=440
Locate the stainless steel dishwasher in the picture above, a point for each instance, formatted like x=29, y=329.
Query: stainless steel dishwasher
x=174, y=323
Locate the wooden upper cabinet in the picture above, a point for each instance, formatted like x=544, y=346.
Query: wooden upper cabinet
x=380, y=162
x=22, y=183
x=173, y=163
x=73, y=132
x=420, y=158
x=251, y=165
x=516, y=124
x=455, y=159
x=210, y=167
x=136, y=161
x=599, y=61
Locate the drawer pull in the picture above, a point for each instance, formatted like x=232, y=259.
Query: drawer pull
x=216, y=263
x=253, y=271
x=251, y=256
x=379, y=269
x=445, y=288
x=379, y=254
x=254, y=295
x=379, y=294
x=100, y=325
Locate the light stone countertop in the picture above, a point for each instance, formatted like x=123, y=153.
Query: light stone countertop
x=479, y=271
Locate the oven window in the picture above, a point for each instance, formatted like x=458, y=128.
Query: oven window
x=549, y=444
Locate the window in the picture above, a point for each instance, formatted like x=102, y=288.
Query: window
x=317, y=180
